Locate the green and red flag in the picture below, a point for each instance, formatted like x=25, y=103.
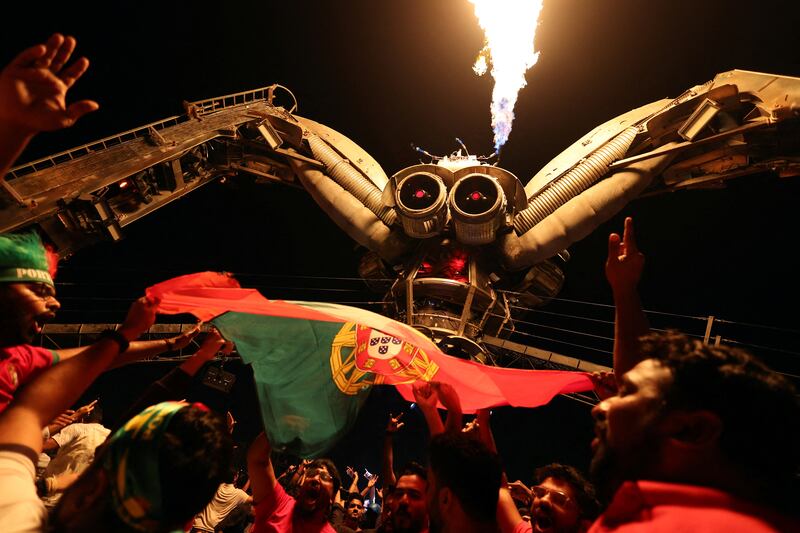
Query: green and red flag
x=314, y=363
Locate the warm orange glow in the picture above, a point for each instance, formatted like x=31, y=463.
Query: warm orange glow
x=510, y=28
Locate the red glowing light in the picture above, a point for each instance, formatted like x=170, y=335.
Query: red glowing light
x=419, y=193
x=475, y=195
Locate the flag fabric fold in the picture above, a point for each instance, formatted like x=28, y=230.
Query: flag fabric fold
x=314, y=363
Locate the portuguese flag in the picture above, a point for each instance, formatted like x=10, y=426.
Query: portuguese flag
x=314, y=363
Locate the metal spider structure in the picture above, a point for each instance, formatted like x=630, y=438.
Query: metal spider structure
x=464, y=242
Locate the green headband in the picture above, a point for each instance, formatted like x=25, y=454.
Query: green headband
x=23, y=258
x=131, y=462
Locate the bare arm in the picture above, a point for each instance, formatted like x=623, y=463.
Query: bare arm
x=623, y=271
x=387, y=464
x=450, y=400
x=212, y=344
x=139, y=350
x=59, y=386
x=485, y=429
x=507, y=514
x=354, y=476
x=259, y=469
x=426, y=399
x=370, y=488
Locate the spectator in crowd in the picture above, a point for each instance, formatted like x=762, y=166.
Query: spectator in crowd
x=227, y=499
x=275, y=510
x=154, y=474
x=74, y=448
x=699, y=437
x=464, y=479
x=406, y=505
x=354, y=511
x=66, y=418
x=561, y=501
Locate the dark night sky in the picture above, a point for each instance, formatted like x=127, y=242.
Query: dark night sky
x=387, y=73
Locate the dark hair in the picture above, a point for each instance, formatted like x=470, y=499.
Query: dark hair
x=413, y=468
x=588, y=504
x=353, y=496
x=759, y=409
x=195, y=457
x=331, y=468
x=470, y=471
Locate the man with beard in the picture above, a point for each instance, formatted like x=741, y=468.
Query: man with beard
x=464, y=479
x=28, y=301
x=562, y=501
x=407, y=508
x=278, y=512
x=698, y=437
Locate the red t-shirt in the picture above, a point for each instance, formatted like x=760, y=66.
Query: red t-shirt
x=523, y=527
x=275, y=515
x=668, y=507
x=18, y=364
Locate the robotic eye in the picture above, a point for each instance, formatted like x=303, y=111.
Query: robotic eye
x=421, y=200
x=477, y=204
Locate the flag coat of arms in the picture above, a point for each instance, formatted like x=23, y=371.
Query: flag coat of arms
x=314, y=363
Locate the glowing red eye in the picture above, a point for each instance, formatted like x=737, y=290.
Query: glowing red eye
x=419, y=193
x=475, y=196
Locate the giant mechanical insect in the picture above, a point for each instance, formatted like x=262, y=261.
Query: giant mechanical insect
x=462, y=239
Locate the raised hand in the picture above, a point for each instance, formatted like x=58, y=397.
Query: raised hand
x=61, y=421
x=183, y=340
x=471, y=428
x=519, y=491
x=447, y=395
x=211, y=345
x=141, y=315
x=605, y=384
x=394, y=423
x=425, y=395
x=84, y=410
x=33, y=87
x=625, y=263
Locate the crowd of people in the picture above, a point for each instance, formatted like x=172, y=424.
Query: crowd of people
x=689, y=437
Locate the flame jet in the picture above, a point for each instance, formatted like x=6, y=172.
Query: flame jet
x=510, y=29
x=464, y=241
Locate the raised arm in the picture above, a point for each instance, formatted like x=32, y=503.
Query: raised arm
x=508, y=516
x=33, y=91
x=353, y=473
x=450, y=400
x=426, y=399
x=387, y=464
x=259, y=469
x=370, y=488
x=485, y=429
x=59, y=386
x=623, y=271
